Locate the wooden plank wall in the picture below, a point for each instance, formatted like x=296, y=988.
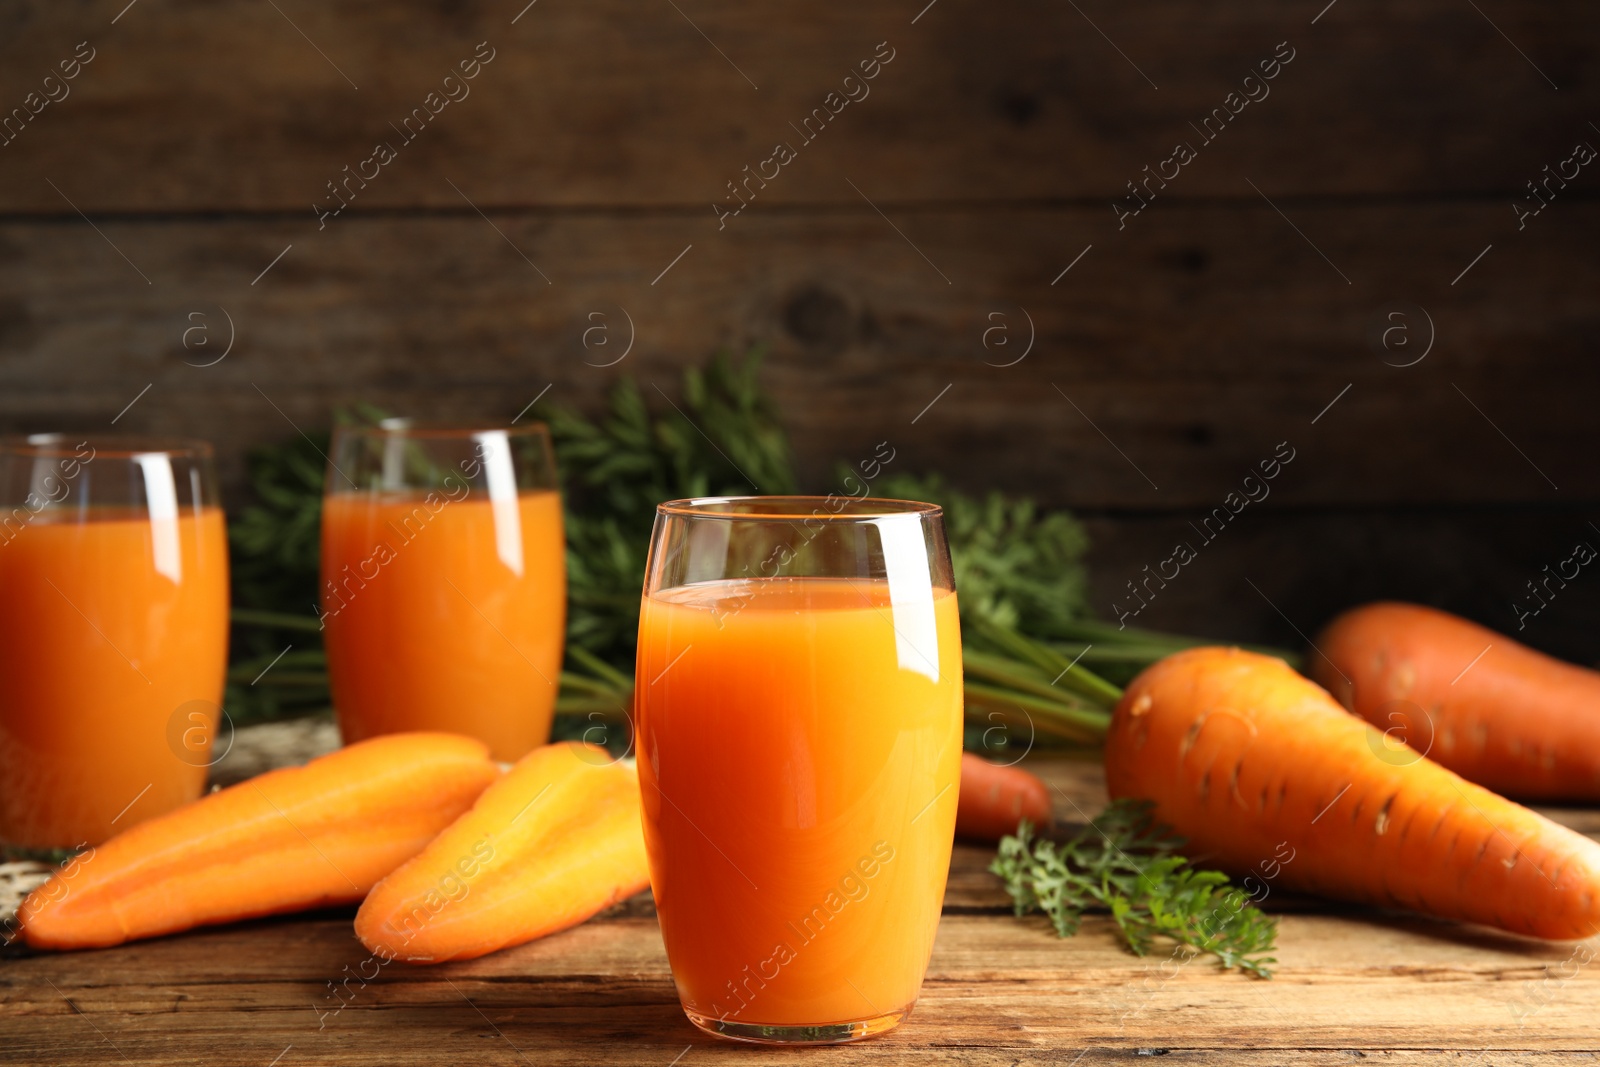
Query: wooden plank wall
x=964, y=198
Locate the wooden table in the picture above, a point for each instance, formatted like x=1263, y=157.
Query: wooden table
x=1352, y=985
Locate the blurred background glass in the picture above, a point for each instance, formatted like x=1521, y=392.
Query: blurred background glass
x=444, y=582
x=113, y=632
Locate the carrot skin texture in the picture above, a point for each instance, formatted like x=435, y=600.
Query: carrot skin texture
x=287, y=840
x=1511, y=719
x=995, y=798
x=1247, y=759
x=558, y=839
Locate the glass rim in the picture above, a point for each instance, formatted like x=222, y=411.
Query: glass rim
x=404, y=426
x=796, y=507
x=110, y=446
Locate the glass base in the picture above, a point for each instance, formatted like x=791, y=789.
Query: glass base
x=784, y=1034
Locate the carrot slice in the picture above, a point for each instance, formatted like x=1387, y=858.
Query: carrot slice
x=556, y=840
x=290, y=839
x=1494, y=711
x=1253, y=764
x=995, y=798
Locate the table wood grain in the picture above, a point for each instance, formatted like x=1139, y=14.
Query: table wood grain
x=1351, y=984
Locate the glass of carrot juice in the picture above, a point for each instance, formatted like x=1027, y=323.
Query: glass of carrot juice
x=444, y=582
x=114, y=637
x=799, y=703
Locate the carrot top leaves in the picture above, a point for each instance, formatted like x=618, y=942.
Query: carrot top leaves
x=1128, y=864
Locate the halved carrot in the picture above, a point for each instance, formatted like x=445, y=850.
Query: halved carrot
x=287, y=840
x=1249, y=760
x=995, y=798
x=556, y=840
x=1494, y=711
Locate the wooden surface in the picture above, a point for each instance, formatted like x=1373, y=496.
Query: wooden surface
x=1351, y=985
x=1169, y=360
x=607, y=103
x=875, y=336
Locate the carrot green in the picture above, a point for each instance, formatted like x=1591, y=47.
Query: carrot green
x=1125, y=862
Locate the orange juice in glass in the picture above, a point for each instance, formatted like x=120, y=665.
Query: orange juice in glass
x=114, y=637
x=444, y=582
x=799, y=704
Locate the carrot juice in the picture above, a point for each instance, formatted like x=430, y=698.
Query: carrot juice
x=445, y=611
x=113, y=646
x=799, y=748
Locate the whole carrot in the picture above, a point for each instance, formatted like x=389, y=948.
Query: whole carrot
x=1255, y=764
x=287, y=840
x=995, y=798
x=1494, y=711
x=556, y=840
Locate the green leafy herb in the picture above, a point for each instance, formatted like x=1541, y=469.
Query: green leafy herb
x=1128, y=864
x=720, y=437
x=276, y=541
x=1016, y=566
x=276, y=538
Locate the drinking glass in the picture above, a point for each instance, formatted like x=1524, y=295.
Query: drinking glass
x=113, y=632
x=799, y=724
x=444, y=582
